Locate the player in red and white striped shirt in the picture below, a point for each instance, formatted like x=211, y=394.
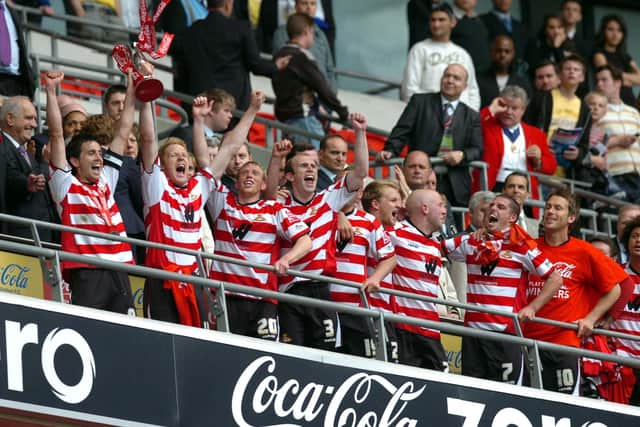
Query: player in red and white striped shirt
x=252, y=229
x=497, y=276
x=629, y=321
x=305, y=325
x=418, y=271
x=82, y=188
x=366, y=258
x=174, y=206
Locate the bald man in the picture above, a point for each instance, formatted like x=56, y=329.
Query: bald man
x=441, y=125
x=418, y=256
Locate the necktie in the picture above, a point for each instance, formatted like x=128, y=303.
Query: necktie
x=23, y=152
x=447, y=139
x=5, y=42
x=506, y=20
x=512, y=134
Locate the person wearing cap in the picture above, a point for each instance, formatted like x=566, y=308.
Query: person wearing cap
x=73, y=116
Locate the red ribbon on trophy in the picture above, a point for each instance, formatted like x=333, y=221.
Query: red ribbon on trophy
x=147, y=88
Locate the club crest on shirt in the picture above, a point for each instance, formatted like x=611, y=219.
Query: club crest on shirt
x=506, y=255
x=259, y=218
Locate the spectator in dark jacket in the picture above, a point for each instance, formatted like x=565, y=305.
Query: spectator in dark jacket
x=299, y=86
x=502, y=72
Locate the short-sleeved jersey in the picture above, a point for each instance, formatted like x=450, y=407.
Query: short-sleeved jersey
x=320, y=215
x=251, y=232
x=381, y=300
x=584, y=271
x=629, y=320
x=90, y=207
x=417, y=271
x=500, y=285
x=370, y=245
x=173, y=215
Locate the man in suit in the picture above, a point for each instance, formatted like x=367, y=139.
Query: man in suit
x=499, y=21
x=16, y=77
x=516, y=186
x=27, y=194
x=219, y=52
x=510, y=144
x=441, y=125
x=333, y=158
x=502, y=71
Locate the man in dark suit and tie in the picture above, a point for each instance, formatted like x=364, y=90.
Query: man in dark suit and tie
x=16, y=77
x=27, y=194
x=440, y=125
x=500, y=21
x=219, y=52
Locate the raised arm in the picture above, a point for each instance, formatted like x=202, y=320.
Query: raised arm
x=360, y=171
x=125, y=124
x=58, y=155
x=148, y=143
x=233, y=139
x=279, y=152
x=201, y=108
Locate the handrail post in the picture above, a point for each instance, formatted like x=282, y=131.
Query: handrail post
x=220, y=310
x=535, y=367
x=203, y=298
x=381, y=338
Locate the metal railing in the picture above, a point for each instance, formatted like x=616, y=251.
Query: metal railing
x=50, y=262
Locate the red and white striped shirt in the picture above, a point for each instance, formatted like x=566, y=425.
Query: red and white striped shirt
x=90, y=207
x=380, y=300
x=370, y=245
x=417, y=271
x=500, y=285
x=629, y=320
x=173, y=215
x=320, y=214
x=251, y=232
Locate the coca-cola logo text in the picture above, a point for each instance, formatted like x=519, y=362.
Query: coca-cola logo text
x=319, y=404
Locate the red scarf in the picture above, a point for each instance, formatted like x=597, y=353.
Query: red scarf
x=184, y=296
x=488, y=251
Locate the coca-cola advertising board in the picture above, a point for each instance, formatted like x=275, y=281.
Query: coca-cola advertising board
x=74, y=363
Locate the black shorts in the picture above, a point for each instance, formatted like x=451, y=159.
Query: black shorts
x=309, y=326
x=560, y=372
x=253, y=317
x=359, y=343
x=103, y=289
x=493, y=360
x=418, y=350
x=158, y=302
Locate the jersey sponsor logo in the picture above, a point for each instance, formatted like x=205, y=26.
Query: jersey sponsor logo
x=259, y=218
x=189, y=213
x=506, y=255
x=487, y=269
x=634, y=305
x=342, y=244
x=564, y=269
x=241, y=231
x=431, y=265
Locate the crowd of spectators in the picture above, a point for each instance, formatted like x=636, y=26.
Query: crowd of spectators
x=310, y=211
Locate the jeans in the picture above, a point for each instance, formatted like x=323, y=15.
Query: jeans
x=309, y=124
